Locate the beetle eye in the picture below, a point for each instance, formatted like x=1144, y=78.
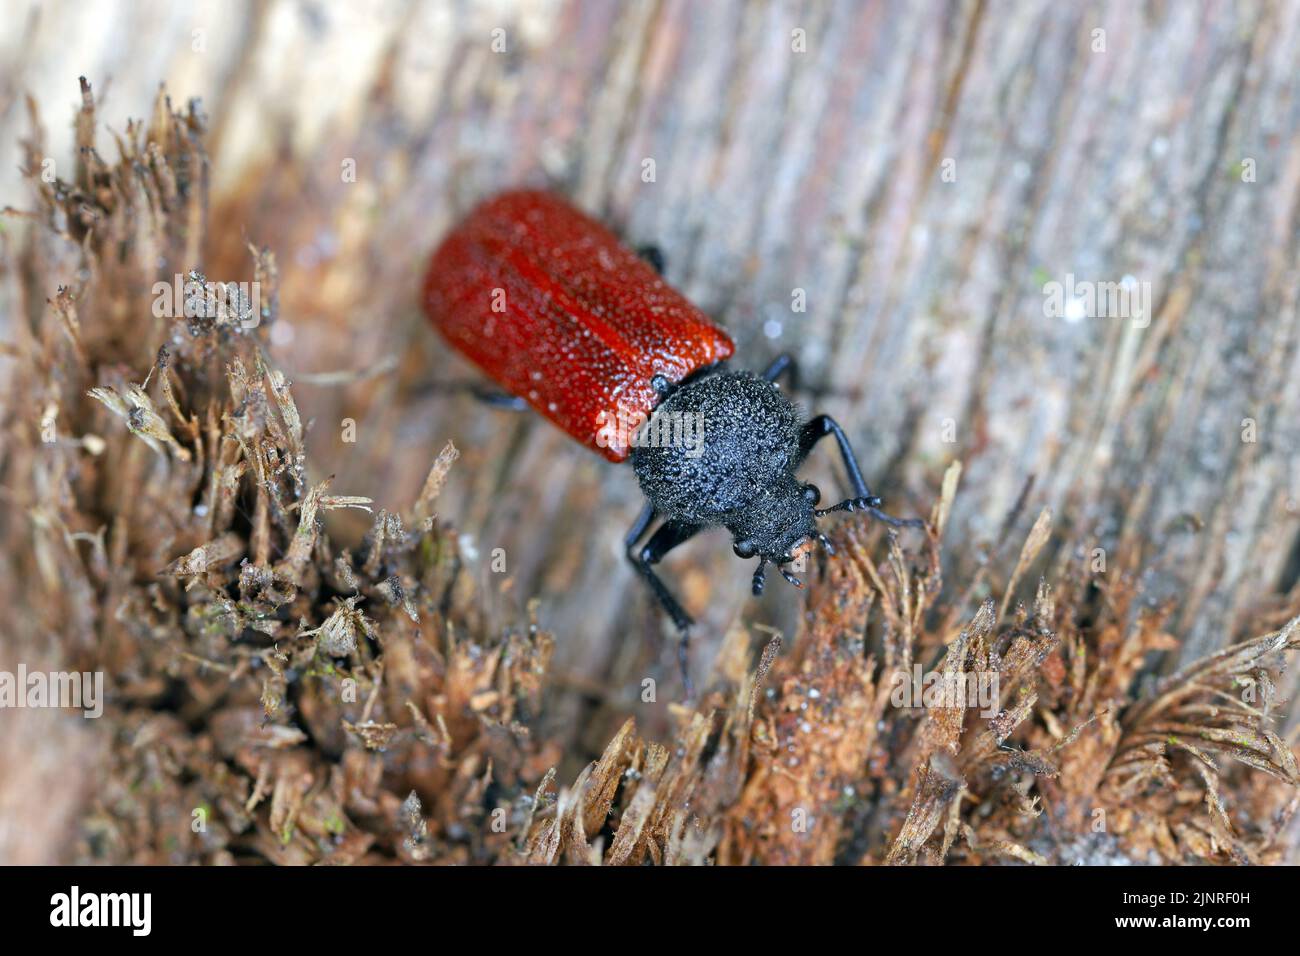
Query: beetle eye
x=812, y=493
x=744, y=549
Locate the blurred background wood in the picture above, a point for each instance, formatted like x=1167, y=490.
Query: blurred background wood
x=917, y=171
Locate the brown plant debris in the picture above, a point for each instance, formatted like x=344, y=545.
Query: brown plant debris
x=276, y=696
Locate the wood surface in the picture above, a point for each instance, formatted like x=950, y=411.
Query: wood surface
x=917, y=172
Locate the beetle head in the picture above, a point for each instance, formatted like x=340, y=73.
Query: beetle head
x=780, y=529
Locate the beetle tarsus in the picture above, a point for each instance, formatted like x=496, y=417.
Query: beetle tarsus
x=895, y=522
x=503, y=400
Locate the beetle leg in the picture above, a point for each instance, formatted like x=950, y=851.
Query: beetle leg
x=492, y=397
x=783, y=364
x=817, y=429
x=638, y=528
x=653, y=256
x=668, y=536
x=787, y=365
x=497, y=399
x=863, y=499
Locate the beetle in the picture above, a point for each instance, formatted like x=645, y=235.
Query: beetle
x=557, y=312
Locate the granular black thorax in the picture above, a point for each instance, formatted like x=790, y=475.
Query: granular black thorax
x=738, y=469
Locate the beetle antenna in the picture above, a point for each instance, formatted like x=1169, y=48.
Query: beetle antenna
x=868, y=503
x=790, y=577
x=760, y=576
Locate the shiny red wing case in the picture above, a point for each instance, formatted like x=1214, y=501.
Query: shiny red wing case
x=552, y=307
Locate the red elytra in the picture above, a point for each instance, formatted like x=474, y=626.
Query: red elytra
x=548, y=303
